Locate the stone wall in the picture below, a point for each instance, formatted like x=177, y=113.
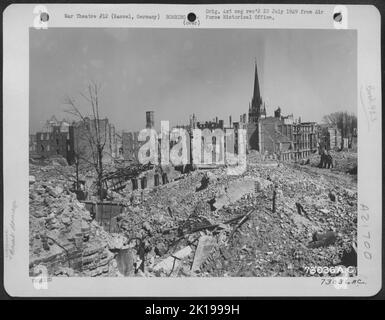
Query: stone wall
x=335, y=139
x=252, y=137
x=55, y=143
x=152, y=178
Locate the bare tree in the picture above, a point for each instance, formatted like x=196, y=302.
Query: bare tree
x=93, y=132
x=344, y=121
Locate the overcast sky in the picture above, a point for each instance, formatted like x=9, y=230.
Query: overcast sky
x=176, y=72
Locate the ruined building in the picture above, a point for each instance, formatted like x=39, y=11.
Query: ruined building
x=211, y=125
x=32, y=145
x=130, y=142
x=279, y=136
x=77, y=139
x=329, y=137
x=55, y=139
x=130, y=145
x=85, y=138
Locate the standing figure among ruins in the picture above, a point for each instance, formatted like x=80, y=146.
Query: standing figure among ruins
x=329, y=160
x=322, y=164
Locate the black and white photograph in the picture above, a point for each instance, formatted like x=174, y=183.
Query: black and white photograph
x=157, y=147
x=105, y=199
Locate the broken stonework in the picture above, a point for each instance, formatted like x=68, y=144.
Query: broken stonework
x=155, y=222
x=62, y=233
x=117, y=242
x=204, y=183
x=125, y=262
x=234, y=192
x=172, y=262
x=323, y=239
x=205, y=246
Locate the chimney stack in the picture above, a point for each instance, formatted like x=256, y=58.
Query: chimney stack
x=150, y=119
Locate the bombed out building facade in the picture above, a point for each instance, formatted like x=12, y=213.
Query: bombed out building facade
x=86, y=134
x=70, y=140
x=277, y=136
x=55, y=139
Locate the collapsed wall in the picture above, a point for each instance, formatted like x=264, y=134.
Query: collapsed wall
x=147, y=179
x=63, y=237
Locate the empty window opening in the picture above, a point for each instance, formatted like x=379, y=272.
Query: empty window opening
x=143, y=183
x=156, y=180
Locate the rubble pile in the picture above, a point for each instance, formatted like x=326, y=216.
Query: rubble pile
x=63, y=236
x=343, y=161
x=52, y=171
x=205, y=223
x=183, y=232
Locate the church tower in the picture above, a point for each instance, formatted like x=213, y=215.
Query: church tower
x=256, y=107
x=256, y=110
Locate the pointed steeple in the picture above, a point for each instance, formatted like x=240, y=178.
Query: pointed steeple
x=257, y=100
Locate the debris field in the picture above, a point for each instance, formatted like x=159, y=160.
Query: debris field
x=275, y=219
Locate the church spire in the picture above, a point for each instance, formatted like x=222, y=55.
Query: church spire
x=256, y=101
